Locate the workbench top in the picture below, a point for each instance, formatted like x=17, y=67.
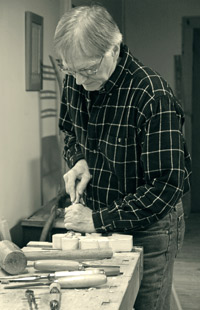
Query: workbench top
x=119, y=293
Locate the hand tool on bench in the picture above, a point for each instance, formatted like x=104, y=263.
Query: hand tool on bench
x=21, y=275
x=61, y=265
x=81, y=281
x=108, y=270
x=31, y=299
x=12, y=259
x=55, y=296
x=79, y=255
x=56, y=275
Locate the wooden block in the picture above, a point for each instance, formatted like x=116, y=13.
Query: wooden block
x=69, y=243
x=40, y=244
x=88, y=243
x=57, y=241
x=121, y=243
x=103, y=243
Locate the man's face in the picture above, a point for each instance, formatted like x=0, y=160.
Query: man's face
x=91, y=73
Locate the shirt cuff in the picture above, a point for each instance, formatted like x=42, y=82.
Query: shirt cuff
x=102, y=221
x=74, y=159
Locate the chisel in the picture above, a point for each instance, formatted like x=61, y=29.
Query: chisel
x=81, y=281
x=57, y=275
x=61, y=265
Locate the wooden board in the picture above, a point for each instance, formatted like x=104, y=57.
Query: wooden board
x=119, y=293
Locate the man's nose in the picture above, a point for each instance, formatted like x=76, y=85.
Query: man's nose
x=80, y=79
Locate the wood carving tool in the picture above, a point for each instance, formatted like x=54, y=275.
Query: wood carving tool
x=12, y=259
x=57, y=275
x=55, y=296
x=31, y=299
x=61, y=265
x=81, y=281
x=8, y=278
x=79, y=255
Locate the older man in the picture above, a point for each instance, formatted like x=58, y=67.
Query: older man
x=129, y=165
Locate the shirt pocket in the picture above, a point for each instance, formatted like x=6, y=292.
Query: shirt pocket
x=120, y=155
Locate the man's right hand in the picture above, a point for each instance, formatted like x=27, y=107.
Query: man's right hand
x=76, y=180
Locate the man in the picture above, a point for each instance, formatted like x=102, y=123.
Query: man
x=129, y=165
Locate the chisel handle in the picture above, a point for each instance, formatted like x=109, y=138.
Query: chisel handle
x=78, y=255
x=70, y=265
x=76, y=281
x=57, y=265
x=82, y=281
x=61, y=274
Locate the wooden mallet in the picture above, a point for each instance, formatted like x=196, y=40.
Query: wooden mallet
x=12, y=259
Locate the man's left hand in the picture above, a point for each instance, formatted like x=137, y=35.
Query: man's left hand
x=79, y=218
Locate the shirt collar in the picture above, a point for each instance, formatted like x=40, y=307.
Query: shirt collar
x=118, y=75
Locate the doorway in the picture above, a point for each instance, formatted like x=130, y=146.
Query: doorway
x=191, y=102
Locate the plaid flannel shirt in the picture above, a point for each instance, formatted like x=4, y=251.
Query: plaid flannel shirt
x=130, y=134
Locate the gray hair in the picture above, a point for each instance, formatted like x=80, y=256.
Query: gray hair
x=91, y=29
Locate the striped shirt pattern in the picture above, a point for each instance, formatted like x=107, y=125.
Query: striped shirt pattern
x=130, y=134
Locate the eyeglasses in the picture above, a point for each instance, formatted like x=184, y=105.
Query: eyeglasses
x=84, y=72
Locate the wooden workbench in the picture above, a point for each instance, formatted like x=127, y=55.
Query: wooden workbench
x=119, y=293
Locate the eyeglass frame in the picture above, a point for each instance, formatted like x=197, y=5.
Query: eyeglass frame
x=90, y=72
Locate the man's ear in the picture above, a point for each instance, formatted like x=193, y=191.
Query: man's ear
x=116, y=51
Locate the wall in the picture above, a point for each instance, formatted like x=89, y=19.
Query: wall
x=153, y=31
x=19, y=117
x=115, y=7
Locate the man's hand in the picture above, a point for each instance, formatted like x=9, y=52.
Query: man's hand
x=79, y=218
x=76, y=180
